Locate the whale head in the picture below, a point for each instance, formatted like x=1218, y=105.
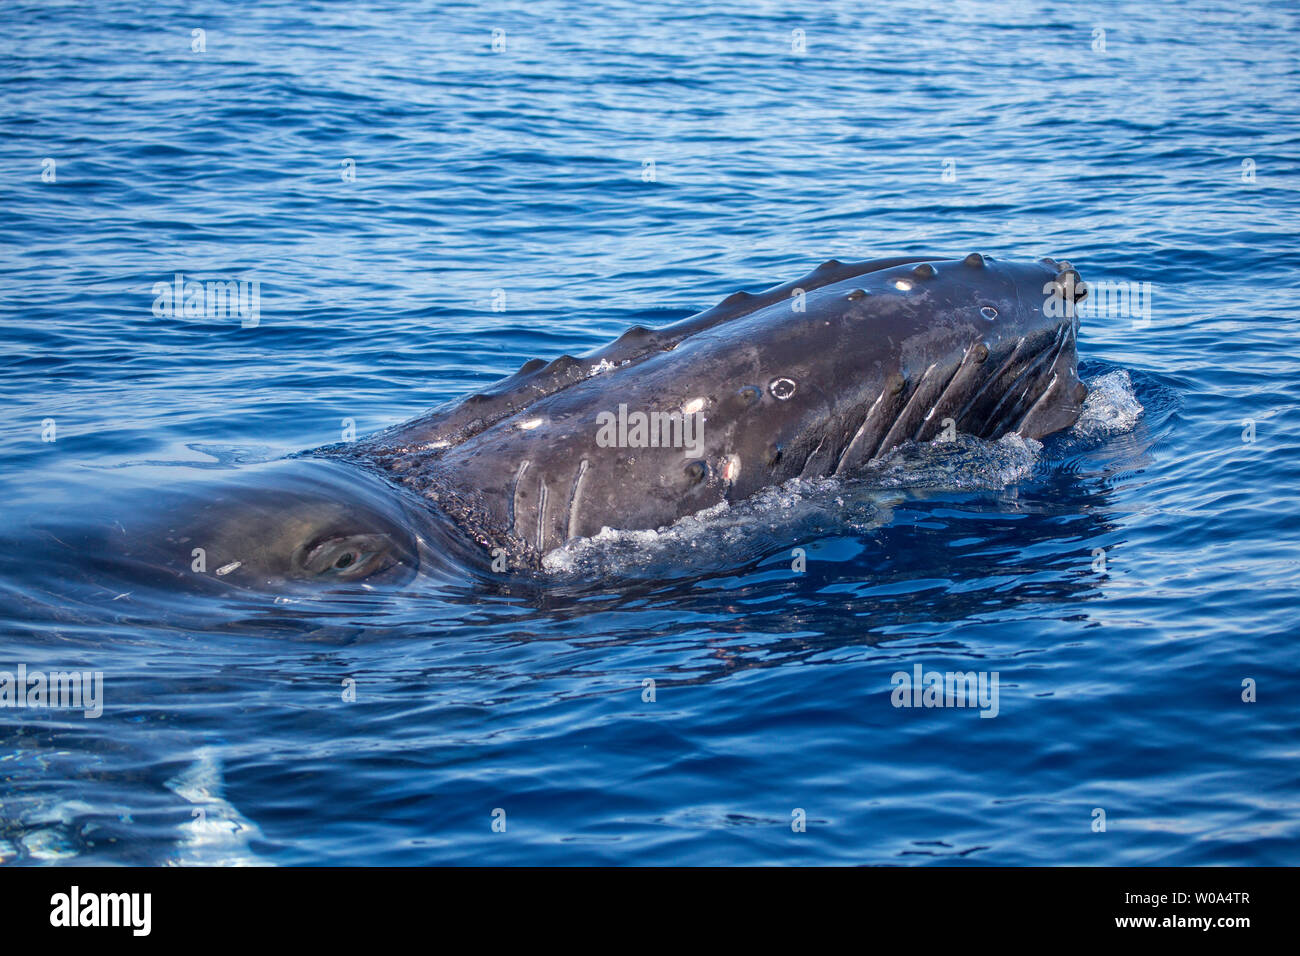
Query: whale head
x=271, y=527
x=812, y=378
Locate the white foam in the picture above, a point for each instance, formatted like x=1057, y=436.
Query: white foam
x=963, y=463
x=1111, y=408
x=725, y=529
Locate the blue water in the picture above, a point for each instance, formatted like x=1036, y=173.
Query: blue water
x=921, y=128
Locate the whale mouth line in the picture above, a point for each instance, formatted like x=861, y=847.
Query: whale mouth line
x=957, y=392
x=1022, y=385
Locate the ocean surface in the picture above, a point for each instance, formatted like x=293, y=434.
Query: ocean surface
x=427, y=196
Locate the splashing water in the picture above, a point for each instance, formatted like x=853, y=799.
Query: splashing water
x=1111, y=408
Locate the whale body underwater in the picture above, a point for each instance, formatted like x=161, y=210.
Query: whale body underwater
x=813, y=378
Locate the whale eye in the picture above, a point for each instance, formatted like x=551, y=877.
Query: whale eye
x=989, y=312
x=348, y=556
x=696, y=471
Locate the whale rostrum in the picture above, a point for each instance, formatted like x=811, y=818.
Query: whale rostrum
x=811, y=378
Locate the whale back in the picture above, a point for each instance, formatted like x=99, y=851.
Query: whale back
x=453, y=423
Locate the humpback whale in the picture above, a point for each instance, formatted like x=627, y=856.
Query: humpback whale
x=812, y=378
x=816, y=377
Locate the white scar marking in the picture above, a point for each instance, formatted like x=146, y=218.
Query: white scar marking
x=542, y=495
x=693, y=406
x=731, y=468
x=223, y=571
x=514, y=497
x=530, y=424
